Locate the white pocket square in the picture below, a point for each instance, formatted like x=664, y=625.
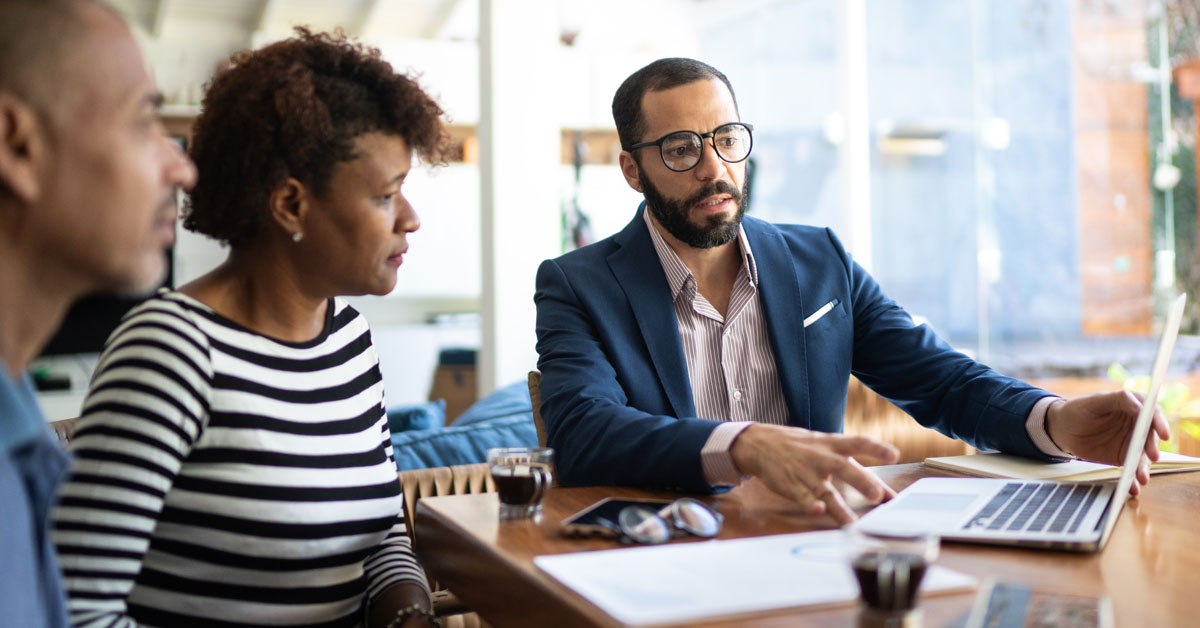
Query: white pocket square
x=825, y=309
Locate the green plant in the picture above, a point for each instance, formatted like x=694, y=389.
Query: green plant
x=1181, y=409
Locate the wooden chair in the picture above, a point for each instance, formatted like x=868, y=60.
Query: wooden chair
x=868, y=414
x=467, y=479
x=535, y=396
x=64, y=430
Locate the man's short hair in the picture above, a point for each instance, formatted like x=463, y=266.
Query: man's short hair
x=659, y=75
x=294, y=109
x=34, y=39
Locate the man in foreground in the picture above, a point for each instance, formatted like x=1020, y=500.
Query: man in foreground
x=87, y=204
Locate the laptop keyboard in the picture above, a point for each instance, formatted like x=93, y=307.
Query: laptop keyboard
x=1036, y=508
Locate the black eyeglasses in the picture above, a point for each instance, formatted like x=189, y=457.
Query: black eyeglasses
x=681, y=150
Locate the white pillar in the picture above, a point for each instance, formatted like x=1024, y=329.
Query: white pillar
x=519, y=174
x=855, y=154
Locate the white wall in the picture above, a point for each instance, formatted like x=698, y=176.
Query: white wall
x=184, y=57
x=408, y=354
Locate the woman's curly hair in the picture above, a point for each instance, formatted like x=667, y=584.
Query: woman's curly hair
x=294, y=109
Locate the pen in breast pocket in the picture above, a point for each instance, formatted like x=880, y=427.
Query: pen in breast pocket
x=815, y=316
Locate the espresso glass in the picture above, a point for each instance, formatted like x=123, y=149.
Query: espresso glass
x=521, y=475
x=889, y=570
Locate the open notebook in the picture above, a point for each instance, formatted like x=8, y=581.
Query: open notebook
x=1008, y=466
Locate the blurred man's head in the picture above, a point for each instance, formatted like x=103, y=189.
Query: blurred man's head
x=87, y=173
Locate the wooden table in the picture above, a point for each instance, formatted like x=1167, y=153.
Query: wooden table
x=1150, y=568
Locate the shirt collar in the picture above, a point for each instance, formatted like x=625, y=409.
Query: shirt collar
x=677, y=272
x=21, y=418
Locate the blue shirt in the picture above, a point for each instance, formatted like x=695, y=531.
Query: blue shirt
x=31, y=467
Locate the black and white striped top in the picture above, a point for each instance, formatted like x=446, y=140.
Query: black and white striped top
x=224, y=478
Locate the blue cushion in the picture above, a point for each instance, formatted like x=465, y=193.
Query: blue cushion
x=501, y=419
x=507, y=401
x=462, y=444
x=417, y=416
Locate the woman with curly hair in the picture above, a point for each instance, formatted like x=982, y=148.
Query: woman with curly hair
x=234, y=461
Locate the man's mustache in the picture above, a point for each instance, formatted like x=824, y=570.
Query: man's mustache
x=716, y=187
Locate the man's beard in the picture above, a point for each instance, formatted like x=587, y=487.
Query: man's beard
x=146, y=286
x=673, y=214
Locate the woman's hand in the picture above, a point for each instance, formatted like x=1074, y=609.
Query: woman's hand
x=388, y=605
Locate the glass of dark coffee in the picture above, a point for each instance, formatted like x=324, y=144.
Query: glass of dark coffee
x=522, y=475
x=889, y=570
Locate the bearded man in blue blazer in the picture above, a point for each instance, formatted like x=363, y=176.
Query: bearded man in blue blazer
x=698, y=346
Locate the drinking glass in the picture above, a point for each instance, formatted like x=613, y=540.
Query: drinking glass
x=889, y=570
x=522, y=475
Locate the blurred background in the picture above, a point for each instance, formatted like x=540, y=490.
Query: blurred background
x=1019, y=174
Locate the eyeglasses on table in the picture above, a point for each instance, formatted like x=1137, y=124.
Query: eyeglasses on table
x=645, y=525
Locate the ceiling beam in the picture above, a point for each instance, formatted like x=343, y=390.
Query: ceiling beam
x=159, y=17
x=437, y=26
x=366, y=16
x=266, y=11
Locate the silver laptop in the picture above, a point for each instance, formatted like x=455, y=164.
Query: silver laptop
x=1058, y=515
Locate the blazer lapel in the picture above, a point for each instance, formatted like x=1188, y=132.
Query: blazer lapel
x=637, y=268
x=779, y=291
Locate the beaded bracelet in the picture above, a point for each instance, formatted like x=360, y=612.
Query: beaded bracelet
x=414, y=610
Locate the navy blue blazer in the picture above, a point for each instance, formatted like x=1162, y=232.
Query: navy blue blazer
x=616, y=398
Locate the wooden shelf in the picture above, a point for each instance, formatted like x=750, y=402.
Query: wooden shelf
x=178, y=120
x=599, y=146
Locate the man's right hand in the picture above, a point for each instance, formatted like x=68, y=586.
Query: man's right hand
x=804, y=466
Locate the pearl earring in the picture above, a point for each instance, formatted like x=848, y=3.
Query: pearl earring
x=298, y=236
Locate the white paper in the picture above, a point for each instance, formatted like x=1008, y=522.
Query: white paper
x=686, y=581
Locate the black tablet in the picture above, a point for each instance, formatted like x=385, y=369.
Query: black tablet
x=600, y=519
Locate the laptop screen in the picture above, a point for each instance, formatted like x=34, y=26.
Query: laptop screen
x=1141, y=429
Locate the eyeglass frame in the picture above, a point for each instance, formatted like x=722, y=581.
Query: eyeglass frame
x=669, y=516
x=711, y=136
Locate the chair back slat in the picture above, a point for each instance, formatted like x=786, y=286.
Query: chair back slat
x=535, y=397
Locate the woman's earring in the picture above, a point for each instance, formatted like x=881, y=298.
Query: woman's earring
x=298, y=236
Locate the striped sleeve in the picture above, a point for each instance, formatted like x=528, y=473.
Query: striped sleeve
x=393, y=562
x=141, y=418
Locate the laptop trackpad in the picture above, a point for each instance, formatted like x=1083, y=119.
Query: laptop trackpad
x=930, y=505
x=955, y=504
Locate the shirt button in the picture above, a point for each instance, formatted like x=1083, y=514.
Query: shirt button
x=737, y=395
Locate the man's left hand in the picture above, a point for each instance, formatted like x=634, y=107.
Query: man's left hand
x=1098, y=427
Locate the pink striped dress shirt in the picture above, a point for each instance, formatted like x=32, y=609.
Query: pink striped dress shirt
x=729, y=360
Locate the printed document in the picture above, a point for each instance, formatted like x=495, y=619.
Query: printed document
x=692, y=580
